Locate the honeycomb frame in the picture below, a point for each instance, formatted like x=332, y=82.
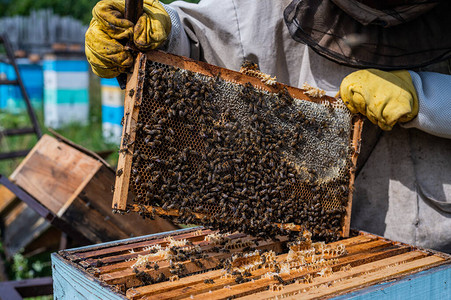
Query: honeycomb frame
x=133, y=101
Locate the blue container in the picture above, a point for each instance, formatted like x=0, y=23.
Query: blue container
x=66, y=92
x=60, y=96
x=112, y=110
x=11, y=98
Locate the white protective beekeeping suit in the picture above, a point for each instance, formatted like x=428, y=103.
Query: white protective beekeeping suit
x=403, y=191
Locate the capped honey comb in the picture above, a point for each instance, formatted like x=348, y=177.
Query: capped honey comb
x=210, y=146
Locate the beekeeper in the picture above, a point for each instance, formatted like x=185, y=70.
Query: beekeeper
x=389, y=60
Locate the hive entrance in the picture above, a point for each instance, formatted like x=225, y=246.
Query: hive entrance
x=210, y=146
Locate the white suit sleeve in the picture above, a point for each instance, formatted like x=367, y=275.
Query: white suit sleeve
x=434, y=96
x=177, y=42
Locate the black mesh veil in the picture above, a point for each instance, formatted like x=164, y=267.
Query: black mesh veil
x=414, y=39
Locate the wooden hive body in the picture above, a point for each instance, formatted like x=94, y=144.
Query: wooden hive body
x=76, y=190
x=369, y=267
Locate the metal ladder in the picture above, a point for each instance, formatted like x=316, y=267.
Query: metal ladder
x=34, y=129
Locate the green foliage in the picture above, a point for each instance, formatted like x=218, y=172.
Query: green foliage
x=80, y=9
x=34, y=267
x=21, y=267
x=13, y=143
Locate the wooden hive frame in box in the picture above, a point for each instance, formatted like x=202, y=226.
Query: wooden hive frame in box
x=364, y=264
x=137, y=136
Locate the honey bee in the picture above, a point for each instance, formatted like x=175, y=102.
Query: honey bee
x=169, y=139
x=161, y=277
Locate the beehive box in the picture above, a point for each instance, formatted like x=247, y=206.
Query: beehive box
x=202, y=264
x=76, y=189
x=66, y=90
x=11, y=98
x=112, y=110
x=214, y=147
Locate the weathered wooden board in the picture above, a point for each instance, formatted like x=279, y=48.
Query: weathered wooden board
x=371, y=267
x=21, y=226
x=53, y=171
x=428, y=284
x=71, y=283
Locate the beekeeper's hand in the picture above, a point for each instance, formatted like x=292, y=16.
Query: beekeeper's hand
x=384, y=97
x=109, y=31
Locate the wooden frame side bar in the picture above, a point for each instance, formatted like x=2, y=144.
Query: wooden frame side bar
x=133, y=97
x=356, y=137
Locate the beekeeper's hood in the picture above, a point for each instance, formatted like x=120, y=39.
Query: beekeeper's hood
x=378, y=34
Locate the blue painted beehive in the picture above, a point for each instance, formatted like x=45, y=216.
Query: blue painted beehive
x=112, y=110
x=11, y=98
x=66, y=96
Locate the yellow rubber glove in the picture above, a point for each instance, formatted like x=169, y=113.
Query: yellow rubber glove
x=107, y=56
x=384, y=97
x=153, y=27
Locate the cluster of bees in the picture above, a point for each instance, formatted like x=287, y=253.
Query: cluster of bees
x=235, y=158
x=244, y=264
x=176, y=252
